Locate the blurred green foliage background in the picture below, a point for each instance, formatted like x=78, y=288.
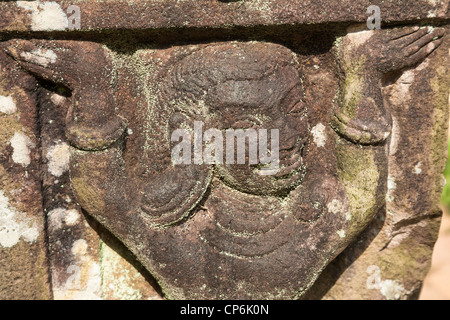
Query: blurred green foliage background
x=445, y=198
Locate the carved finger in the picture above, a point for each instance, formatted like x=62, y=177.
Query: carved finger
x=408, y=39
x=370, y=126
x=424, y=52
x=70, y=63
x=402, y=32
x=425, y=40
x=43, y=59
x=35, y=60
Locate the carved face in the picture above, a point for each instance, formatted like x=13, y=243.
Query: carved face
x=245, y=87
x=271, y=103
x=200, y=237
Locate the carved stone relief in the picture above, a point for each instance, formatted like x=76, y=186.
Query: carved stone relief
x=229, y=230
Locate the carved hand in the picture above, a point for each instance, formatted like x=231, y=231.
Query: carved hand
x=362, y=117
x=85, y=68
x=391, y=50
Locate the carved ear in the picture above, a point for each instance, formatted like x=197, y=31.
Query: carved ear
x=170, y=196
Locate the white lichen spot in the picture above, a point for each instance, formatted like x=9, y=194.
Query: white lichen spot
x=335, y=206
x=7, y=105
x=319, y=135
x=72, y=217
x=21, y=145
x=337, y=42
x=341, y=233
x=57, y=99
x=58, y=157
x=46, y=16
x=14, y=225
x=42, y=57
x=432, y=13
x=79, y=247
x=129, y=131
x=58, y=216
x=391, y=186
x=392, y=289
x=395, y=137
x=417, y=168
x=348, y=216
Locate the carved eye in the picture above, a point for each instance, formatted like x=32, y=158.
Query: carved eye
x=297, y=109
x=245, y=124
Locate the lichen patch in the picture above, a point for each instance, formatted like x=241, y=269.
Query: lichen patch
x=79, y=247
x=58, y=157
x=61, y=216
x=57, y=99
x=14, y=225
x=42, y=57
x=391, y=187
x=392, y=289
x=335, y=206
x=46, y=16
x=7, y=105
x=341, y=233
x=21, y=149
x=319, y=135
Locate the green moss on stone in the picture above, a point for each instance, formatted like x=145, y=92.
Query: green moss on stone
x=359, y=173
x=439, y=85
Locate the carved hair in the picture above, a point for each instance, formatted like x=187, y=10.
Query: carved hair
x=190, y=84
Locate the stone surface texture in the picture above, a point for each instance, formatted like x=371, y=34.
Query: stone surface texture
x=92, y=207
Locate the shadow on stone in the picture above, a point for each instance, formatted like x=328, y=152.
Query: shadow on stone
x=115, y=244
